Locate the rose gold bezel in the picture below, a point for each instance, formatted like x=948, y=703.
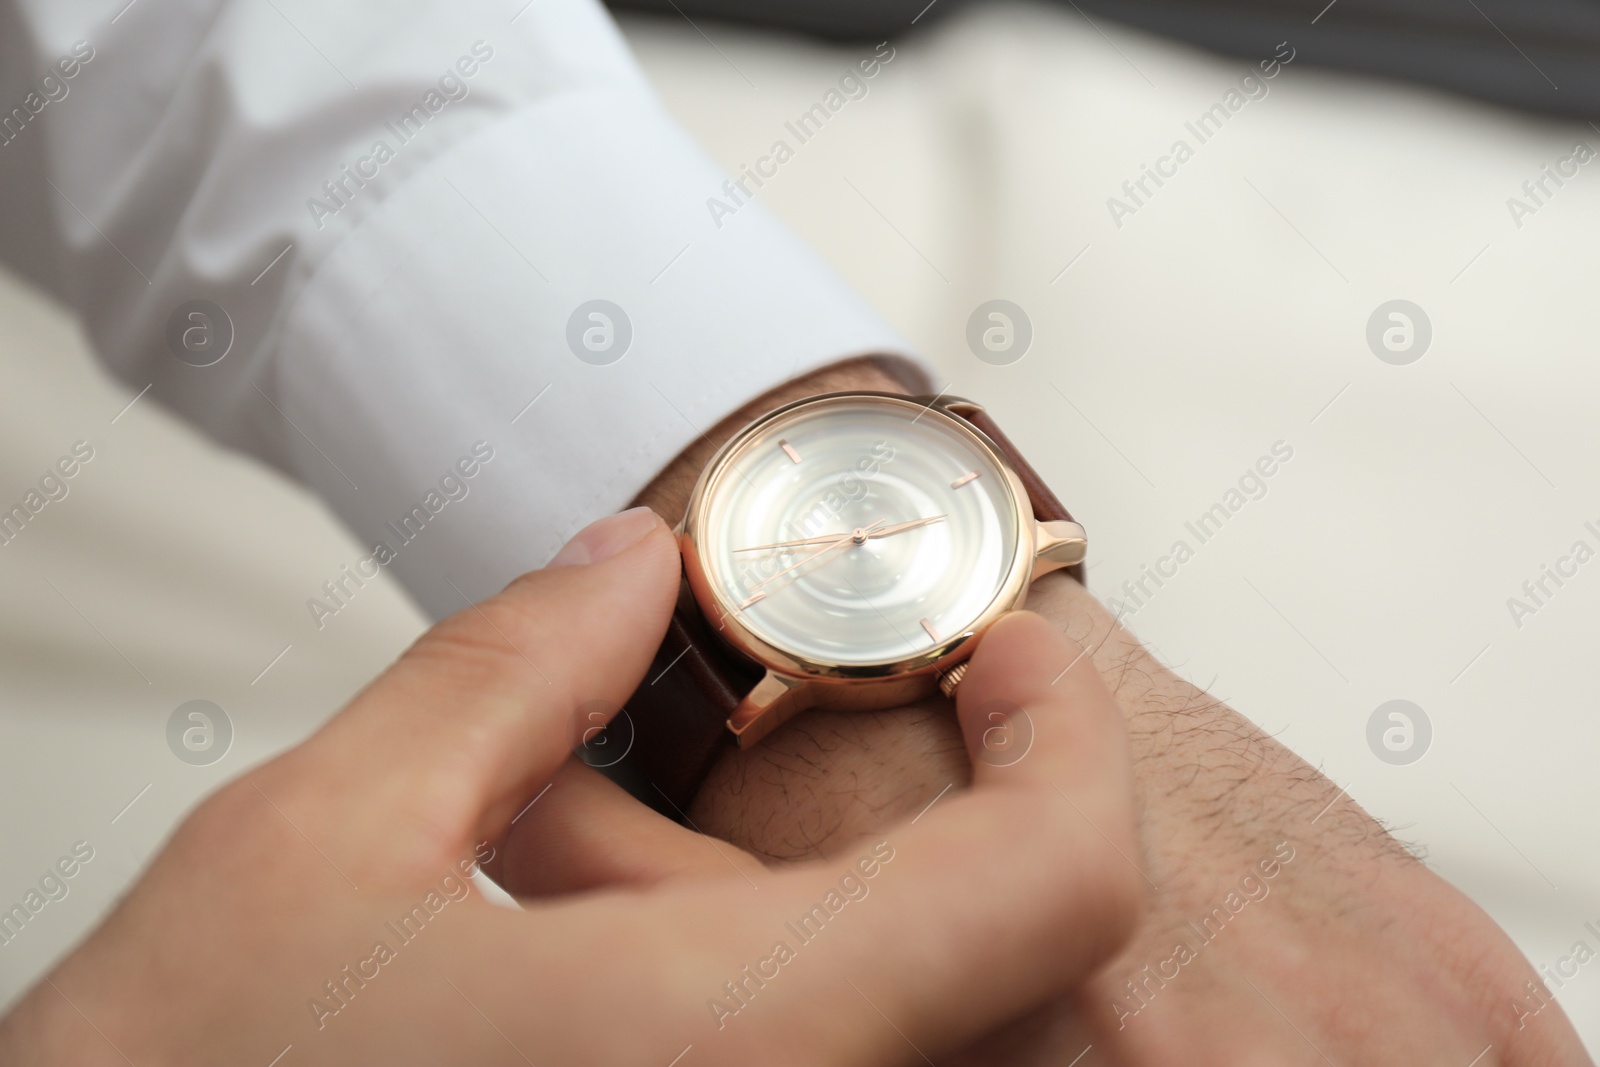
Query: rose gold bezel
x=919, y=670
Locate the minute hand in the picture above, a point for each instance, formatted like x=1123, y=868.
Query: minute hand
x=828, y=538
x=832, y=544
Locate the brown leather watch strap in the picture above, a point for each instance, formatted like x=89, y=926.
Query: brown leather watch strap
x=676, y=721
x=1047, y=507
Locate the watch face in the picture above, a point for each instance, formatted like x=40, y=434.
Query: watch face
x=857, y=531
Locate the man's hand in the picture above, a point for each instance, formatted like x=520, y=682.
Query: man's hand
x=319, y=909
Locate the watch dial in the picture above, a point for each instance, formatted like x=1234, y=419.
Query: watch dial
x=858, y=531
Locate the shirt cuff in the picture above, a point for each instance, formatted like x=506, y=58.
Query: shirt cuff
x=529, y=329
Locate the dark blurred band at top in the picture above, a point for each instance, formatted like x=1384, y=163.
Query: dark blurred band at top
x=1541, y=55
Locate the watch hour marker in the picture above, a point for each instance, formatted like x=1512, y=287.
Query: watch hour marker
x=928, y=626
x=970, y=476
x=789, y=451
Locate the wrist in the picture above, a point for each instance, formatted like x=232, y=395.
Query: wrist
x=1180, y=736
x=668, y=493
x=1138, y=679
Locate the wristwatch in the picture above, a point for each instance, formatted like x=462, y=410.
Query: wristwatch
x=844, y=551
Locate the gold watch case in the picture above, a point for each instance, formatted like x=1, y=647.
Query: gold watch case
x=795, y=682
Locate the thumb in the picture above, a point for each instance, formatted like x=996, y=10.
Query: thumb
x=483, y=709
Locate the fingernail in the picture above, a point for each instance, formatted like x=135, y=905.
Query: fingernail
x=605, y=537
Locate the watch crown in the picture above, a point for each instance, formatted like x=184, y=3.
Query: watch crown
x=952, y=678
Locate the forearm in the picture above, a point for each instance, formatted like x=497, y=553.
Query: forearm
x=1225, y=812
x=1227, y=815
x=1183, y=739
x=828, y=778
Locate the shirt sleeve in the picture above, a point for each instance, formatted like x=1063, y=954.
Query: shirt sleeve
x=448, y=264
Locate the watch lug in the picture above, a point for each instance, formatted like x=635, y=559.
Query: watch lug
x=1058, y=544
x=958, y=405
x=768, y=706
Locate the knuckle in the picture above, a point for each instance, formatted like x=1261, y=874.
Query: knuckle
x=224, y=823
x=244, y=814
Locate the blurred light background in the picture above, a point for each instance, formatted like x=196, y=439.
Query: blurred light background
x=1228, y=313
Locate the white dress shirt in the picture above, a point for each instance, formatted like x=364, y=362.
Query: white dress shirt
x=399, y=209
